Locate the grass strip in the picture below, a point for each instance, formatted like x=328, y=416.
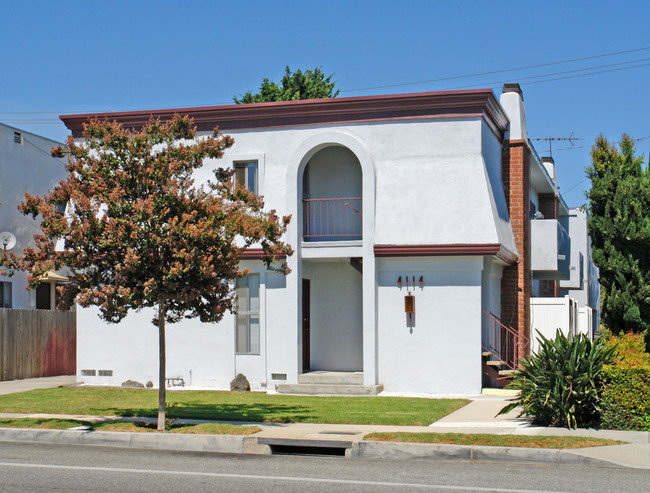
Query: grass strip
x=204, y=428
x=64, y=424
x=527, y=441
x=232, y=406
x=49, y=423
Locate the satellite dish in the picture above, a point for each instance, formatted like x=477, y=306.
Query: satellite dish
x=7, y=240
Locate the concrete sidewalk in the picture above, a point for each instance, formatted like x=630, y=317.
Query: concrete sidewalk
x=13, y=386
x=476, y=417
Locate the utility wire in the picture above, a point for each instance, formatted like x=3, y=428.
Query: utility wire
x=492, y=85
x=565, y=72
x=591, y=73
x=583, y=147
x=498, y=71
x=528, y=67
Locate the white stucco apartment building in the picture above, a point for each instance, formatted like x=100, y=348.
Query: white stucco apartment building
x=418, y=202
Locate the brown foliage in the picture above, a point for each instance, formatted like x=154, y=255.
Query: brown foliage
x=138, y=230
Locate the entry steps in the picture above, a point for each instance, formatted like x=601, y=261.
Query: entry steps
x=495, y=368
x=330, y=383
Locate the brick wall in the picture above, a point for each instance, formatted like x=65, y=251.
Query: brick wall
x=515, y=283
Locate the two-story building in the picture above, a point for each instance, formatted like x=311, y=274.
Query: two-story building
x=25, y=166
x=415, y=252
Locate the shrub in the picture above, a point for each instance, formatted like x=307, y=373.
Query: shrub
x=560, y=384
x=631, y=351
x=626, y=399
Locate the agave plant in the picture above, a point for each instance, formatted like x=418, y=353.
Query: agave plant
x=560, y=384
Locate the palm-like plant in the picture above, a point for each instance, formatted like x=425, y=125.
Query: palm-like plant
x=560, y=384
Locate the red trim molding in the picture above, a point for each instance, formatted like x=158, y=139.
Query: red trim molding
x=256, y=254
x=495, y=249
x=424, y=105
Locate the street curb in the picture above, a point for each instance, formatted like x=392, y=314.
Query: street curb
x=238, y=444
x=233, y=444
x=472, y=453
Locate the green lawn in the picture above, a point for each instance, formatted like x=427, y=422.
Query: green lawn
x=233, y=406
x=205, y=428
x=64, y=424
x=528, y=441
x=49, y=423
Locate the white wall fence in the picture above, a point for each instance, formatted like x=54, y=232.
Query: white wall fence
x=549, y=314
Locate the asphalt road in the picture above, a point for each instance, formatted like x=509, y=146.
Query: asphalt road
x=28, y=467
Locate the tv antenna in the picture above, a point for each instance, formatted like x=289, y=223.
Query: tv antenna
x=550, y=140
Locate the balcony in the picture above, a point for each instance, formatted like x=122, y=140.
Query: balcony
x=338, y=219
x=550, y=250
x=577, y=272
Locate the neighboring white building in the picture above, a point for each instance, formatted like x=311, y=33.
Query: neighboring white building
x=25, y=166
x=572, y=304
x=410, y=201
x=583, y=285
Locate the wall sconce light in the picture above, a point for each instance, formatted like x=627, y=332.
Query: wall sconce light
x=421, y=282
x=399, y=282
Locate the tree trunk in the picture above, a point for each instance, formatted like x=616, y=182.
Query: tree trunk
x=162, y=362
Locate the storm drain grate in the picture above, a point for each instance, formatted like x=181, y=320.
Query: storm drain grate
x=307, y=450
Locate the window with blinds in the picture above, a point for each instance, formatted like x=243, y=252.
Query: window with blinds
x=247, y=331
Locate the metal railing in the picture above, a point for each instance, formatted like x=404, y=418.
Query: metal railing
x=502, y=341
x=332, y=219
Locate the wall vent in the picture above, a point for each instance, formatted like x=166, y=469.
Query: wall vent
x=18, y=138
x=88, y=373
x=105, y=373
x=278, y=376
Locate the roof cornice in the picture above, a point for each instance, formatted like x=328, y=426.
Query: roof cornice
x=414, y=106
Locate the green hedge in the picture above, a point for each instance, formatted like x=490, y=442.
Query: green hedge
x=625, y=403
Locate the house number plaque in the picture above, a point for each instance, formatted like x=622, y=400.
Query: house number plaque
x=409, y=303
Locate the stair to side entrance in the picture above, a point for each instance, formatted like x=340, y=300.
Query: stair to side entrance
x=331, y=383
x=496, y=369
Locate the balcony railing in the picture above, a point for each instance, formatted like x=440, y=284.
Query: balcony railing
x=332, y=219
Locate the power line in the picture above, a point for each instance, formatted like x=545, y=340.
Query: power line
x=493, y=86
x=393, y=85
x=584, y=147
x=527, y=67
x=585, y=75
x=574, y=186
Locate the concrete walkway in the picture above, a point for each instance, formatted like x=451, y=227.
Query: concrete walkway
x=479, y=416
x=13, y=386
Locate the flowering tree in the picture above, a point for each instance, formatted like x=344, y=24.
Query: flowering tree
x=139, y=233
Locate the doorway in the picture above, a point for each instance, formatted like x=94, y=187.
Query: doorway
x=306, y=339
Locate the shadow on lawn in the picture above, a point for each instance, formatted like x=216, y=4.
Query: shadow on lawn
x=256, y=412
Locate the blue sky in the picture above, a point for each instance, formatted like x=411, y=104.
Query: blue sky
x=80, y=56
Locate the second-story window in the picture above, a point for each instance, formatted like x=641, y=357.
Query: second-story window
x=246, y=175
x=5, y=294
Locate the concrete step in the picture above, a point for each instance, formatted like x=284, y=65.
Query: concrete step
x=332, y=377
x=331, y=389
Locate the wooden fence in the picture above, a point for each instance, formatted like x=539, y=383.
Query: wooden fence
x=37, y=343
